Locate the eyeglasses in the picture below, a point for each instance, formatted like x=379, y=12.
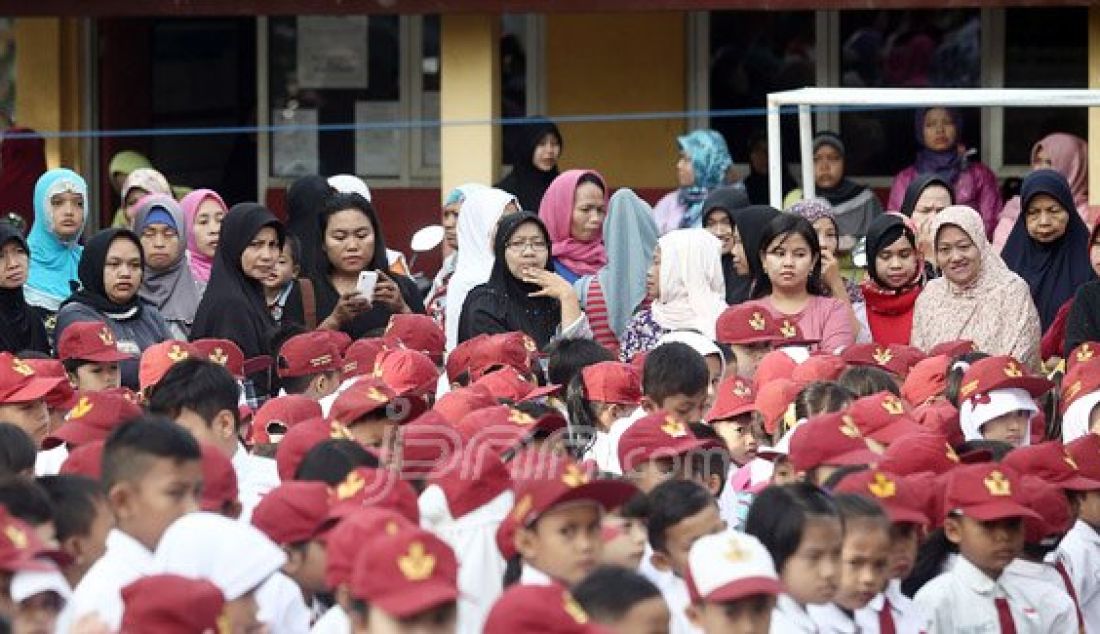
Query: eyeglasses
x=520, y=246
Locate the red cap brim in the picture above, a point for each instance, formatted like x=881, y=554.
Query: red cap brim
x=715, y=416
x=902, y=515
x=72, y=432
x=1078, y=483
x=105, y=356
x=540, y=392
x=742, y=588
x=404, y=603
x=854, y=457
x=895, y=431
x=992, y=511
x=609, y=494
x=35, y=389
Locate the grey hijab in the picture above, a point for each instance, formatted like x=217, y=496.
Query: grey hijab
x=171, y=290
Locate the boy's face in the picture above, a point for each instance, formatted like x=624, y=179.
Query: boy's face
x=437, y=620
x=904, y=543
x=680, y=536
x=684, y=408
x=306, y=565
x=32, y=417
x=864, y=563
x=812, y=572
x=87, y=549
x=990, y=546
x=96, y=377
x=749, y=356
x=1094, y=420
x=751, y=615
x=783, y=472
x=714, y=376
x=240, y=615
x=376, y=432
x=650, y=616
x=168, y=490
x=218, y=432
x=624, y=541
x=651, y=473
x=1089, y=511
x=284, y=270
x=37, y=614
x=741, y=436
x=1011, y=428
x=565, y=543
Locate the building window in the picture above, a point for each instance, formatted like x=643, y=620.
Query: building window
x=7, y=72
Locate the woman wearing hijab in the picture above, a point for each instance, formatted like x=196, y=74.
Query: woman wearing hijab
x=111, y=272
x=686, y=285
x=611, y=296
x=573, y=209
x=939, y=133
x=718, y=210
x=60, y=213
x=978, y=298
x=22, y=162
x=854, y=206
x=121, y=166
x=203, y=211
x=20, y=325
x=436, y=303
x=523, y=293
x=1082, y=322
x=748, y=225
x=167, y=284
x=895, y=277
x=477, y=224
x=1049, y=245
x=702, y=167
x=353, y=242
x=1056, y=336
x=140, y=183
x=304, y=200
x=534, y=162
x=1066, y=154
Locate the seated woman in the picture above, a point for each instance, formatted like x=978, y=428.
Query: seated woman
x=436, y=303
x=1082, y=322
x=718, y=218
x=611, y=296
x=352, y=242
x=111, y=272
x=895, y=277
x=60, y=213
x=573, y=209
x=939, y=134
x=925, y=197
x=977, y=298
x=686, y=286
x=703, y=166
x=203, y=211
x=20, y=323
x=791, y=283
x=523, y=293
x=167, y=284
x=854, y=206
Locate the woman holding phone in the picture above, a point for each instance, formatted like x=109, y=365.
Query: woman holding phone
x=352, y=244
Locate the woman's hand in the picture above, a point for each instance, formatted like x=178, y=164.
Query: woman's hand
x=553, y=285
x=348, y=307
x=830, y=270
x=388, y=294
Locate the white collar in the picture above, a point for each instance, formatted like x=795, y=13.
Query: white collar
x=794, y=612
x=1029, y=569
x=973, y=578
x=125, y=547
x=877, y=603
x=531, y=576
x=1089, y=533
x=239, y=458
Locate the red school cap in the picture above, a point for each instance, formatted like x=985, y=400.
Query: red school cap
x=285, y=411
x=1085, y=451
x=292, y=512
x=896, y=494
x=747, y=324
x=565, y=481
x=62, y=396
x=364, y=396
x=470, y=479
x=952, y=349
x=406, y=372
x=458, y=361
x=999, y=373
x=93, y=417
x=513, y=349
x=656, y=436
x=307, y=354
x=890, y=358
x=406, y=573
x=85, y=460
x=21, y=550
x=457, y=403
x=774, y=400
x=508, y=383
x=361, y=355
x=819, y=367
x=777, y=364
x=303, y=437
x=920, y=453
x=89, y=341
x=351, y=535
x=1049, y=503
x=370, y=487
x=425, y=442
x=1051, y=462
x=1084, y=352
x=549, y=609
x=171, y=604
x=1083, y=379
x=19, y=383
x=926, y=379
x=883, y=417
x=612, y=382
x=417, y=332
x=986, y=492
x=829, y=439
x=503, y=427
x=159, y=358
x=223, y=352
x=219, y=480
x=735, y=396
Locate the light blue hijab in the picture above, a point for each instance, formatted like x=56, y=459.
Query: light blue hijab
x=53, y=262
x=630, y=237
x=710, y=159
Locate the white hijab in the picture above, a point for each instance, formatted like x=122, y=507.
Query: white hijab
x=232, y=555
x=693, y=290
x=477, y=222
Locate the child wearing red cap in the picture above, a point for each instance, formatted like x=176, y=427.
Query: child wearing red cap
x=997, y=400
x=33, y=591
x=597, y=398
x=750, y=330
x=985, y=520
x=733, y=584
x=1080, y=402
x=310, y=364
x=545, y=609
x=91, y=356
x=1079, y=551
x=172, y=604
x=364, y=409
x=292, y=515
x=152, y=472
x=22, y=396
x=659, y=447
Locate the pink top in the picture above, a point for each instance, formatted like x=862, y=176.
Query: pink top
x=826, y=319
x=976, y=187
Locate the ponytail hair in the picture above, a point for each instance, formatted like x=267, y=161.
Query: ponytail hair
x=583, y=419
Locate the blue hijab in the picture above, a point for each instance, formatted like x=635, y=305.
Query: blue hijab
x=710, y=159
x=53, y=261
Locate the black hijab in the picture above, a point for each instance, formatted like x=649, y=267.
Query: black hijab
x=20, y=326
x=916, y=188
x=727, y=200
x=844, y=190
x=304, y=200
x=750, y=223
x=527, y=182
x=90, y=272
x=233, y=305
x=883, y=231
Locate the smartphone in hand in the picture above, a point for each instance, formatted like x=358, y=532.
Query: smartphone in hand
x=366, y=284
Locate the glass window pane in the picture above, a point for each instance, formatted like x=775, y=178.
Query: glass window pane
x=429, y=71
x=904, y=49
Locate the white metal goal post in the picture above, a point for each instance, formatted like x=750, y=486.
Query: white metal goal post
x=805, y=99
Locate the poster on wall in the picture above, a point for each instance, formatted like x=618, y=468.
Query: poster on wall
x=294, y=149
x=377, y=146
x=332, y=52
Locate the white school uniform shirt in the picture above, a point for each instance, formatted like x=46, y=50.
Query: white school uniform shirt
x=48, y=461
x=1045, y=586
x=831, y=619
x=255, y=477
x=907, y=618
x=678, y=599
x=335, y=621
x=614, y=434
x=790, y=618
x=100, y=591
x=962, y=600
x=1080, y=553
x=282, y=607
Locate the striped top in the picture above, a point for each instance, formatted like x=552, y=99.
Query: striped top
x=596, y=309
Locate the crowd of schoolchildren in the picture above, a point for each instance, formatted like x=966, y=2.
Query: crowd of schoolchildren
x=603, y=417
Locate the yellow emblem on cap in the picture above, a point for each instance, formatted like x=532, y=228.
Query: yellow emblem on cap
x=882, y=356
x=1012, y=369
x=574, y=609
x=219, y=356
x=674, y=428
x=377, y=395
x=322, y=360
x=848, y=427
x=1068, y=459
x=997, y=484
x=734, y=552
x=351, y=485
x=391, y=528
x=740, y=389
x=522, y=508
x=418, y=564
x=574, y=476
x=16, y=536
x=529, y=344
x=951, y=455
x=523, y=419
x=1072, y=391
x=893, y=405
x=1084, y=352
x=83, y=406
x=106, y=336
x=337, y=431
x=882, y=486
x=788, y=329
x=177, y=354
x=20, y=366
x=756, y=322
x=968, y=388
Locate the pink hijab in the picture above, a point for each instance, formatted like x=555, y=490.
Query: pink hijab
x=200, y=264
x=556, y=211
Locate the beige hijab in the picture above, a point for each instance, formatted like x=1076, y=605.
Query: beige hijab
x=995, y=311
